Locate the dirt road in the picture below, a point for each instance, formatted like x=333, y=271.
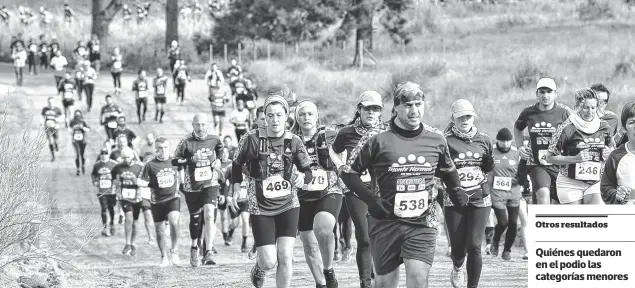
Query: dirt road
x=101, y=261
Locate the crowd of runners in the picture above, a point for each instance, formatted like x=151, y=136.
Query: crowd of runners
x=290, y=175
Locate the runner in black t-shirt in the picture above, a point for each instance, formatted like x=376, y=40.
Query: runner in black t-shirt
x=367, y=118
x=403, y=162
x=541, y=119
x=162, y=177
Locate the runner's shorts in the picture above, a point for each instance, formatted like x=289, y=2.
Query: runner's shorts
x=161, y=210
x=51, y=132
x=138, y=101
x=68, y=102
x=267, y=229
x=543, y=177
x=571, y=190
x=135, y=208
x=107, y=200
x=331, y=203
x=502, y=199
x=196, y=200
x=392, y=241
x=242, y=207
x=160, y=100
x=145, y=205
x=220, y=113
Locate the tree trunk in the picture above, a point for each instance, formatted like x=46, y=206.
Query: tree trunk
x=364, y=32
x=171, y=21
x=102, y=16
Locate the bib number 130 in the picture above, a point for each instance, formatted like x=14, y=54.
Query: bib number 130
x=408, y=205
x=275, y=186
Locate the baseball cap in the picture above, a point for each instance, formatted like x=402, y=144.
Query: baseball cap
x=104, y=151
x=546, y=83
x=370, y=98
x=462, y=107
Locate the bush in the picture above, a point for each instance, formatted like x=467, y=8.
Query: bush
x=420, y=72
x=625, y=67
x=595, y=10
x=509, y=22
x=527, y=75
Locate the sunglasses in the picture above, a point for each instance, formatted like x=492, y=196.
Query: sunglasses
x=371, y=108
x=104, y=153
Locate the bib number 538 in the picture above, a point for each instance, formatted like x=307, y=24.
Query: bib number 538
x=408, y=205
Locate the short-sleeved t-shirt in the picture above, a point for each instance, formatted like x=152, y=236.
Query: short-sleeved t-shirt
x=125, y=131
x=542, y=125
x=240, y=119
x=279, y=195
x=160, y=85
x=50, y=116
x=102, y=175
x=505, y=168
x=140, y=86
x=612, y=119
x=78, y=131
x=570, y=141
x=199, y=175
x=403, y=170
x=110, y=113
x=468, y=158
x=128, y=174
x=324, y=179
x=162, y=179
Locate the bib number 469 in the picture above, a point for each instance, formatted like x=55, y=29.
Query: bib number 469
x=275, y=186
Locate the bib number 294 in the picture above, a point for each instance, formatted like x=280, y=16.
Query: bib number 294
x=276, y=186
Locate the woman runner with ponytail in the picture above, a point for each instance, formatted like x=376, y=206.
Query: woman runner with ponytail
x=367, y=120
x=471, y=152
x=321, y=199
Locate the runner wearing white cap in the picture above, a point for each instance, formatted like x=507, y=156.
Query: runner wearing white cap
x=367, y=119
x=580, y=147
x=278, y=164
x=541, y=119
x=471, y=151
x=403, y=212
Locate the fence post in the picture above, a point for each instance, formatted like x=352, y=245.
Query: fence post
x=360, y=52
x=284, y=50
x=297, y=47
x=344, y=45
x=403, y=46
x=211, y=53
x=225, y=53
x=255, y=52
x=268, y=51
x=312, y=50
x=240, y=49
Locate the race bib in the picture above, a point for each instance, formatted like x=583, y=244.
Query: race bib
x=203, y=173
x=68, y=95
x=95, y=48
x=145, y=192
x=250, y=104
x=365, y=177
x=112, y=124
x=127, y=193
x=166, y=181
x=105, y=184
x=50, y=123
x=408, y=205
x=78, y=75
x=181, y=75
x=160, y=90
x=319, y=182
x=116, y=65
x=588, y=171
x=275, y=187
x=242, y=193
x=78, y=136
x=470, y=176
x=503, y=183
x=143, y=94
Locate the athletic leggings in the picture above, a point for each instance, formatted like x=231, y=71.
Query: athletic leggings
x=180, y=92
x=141, y=113
x=345, y=224
x=116, y=79
x=80, y=88
x=44, y=62
x=18, y=75
x=32, y=63
x=107, y=203
x=358, y=210
x=88, y=89
x=80, y=148
x=503, y=223
x=466, y=228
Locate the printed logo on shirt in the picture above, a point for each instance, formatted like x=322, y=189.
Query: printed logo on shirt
x=410, y=164
x=469, y=158
x=127, y=178
x=544, y=131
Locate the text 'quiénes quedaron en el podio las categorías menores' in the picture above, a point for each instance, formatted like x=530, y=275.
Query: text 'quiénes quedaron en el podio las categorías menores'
x=581, y=246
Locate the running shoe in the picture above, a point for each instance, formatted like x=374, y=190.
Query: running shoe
x=337, y=256
x=346, y=255
x=488, y=249
x=133, y=250
x=194, y=260
x=252, y=253
x=494, y=249
x=77, y=174
x=243, y=248
x=228, y=242
x=329, y=275
x=526, y=257
x=507, y=256
x=150, y=241
x=214, y=250
x=120, y=218
x=105, y=232
x=258, y=276
x=207, y=260
x=457, y=277
x=174, y=258
x=126, y=250
x=449, y=254
x=165, y=262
